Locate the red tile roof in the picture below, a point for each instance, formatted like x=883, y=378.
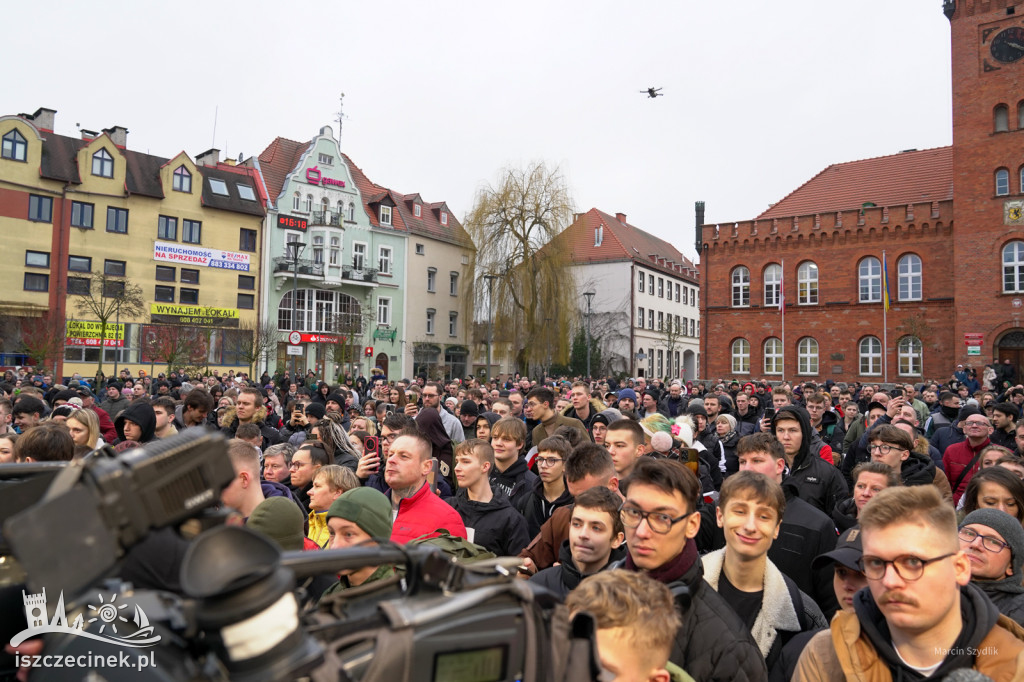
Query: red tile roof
x=621, y=241
x=278, y=160
x=905, y=178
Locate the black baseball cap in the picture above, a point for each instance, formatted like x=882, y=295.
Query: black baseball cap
x=848, y=551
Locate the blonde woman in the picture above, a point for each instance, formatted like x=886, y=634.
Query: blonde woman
x=84, y=426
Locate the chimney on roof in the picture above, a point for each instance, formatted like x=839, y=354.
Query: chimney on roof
x=88, y=134
x=119, y=135
x=42, y=118
x=699, y=210
x=621, y=217
x=208, y=158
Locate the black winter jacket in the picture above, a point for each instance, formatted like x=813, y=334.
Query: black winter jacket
x=495, y=524
x=537, y=509
x=564, y=578
x=516, y=482
x=816, y=481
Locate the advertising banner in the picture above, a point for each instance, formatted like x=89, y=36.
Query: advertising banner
x=84, y=333
x=193, y=315
x=187, y=254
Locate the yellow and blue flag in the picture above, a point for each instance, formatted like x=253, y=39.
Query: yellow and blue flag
x=885, y=282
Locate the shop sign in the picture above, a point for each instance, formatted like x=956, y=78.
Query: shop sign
x=193, y=315
x=85, y=333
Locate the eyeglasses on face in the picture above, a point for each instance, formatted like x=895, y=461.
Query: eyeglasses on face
x=992, y=544
x=976, y=423
x=548, y=461
x=908, y=567
x=883, y=448
x=658, y=522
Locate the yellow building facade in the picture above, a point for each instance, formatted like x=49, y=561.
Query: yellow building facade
x=186, y=231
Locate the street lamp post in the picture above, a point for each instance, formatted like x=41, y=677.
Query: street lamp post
x=490, y=322
x=589, y=295
x=294, y=251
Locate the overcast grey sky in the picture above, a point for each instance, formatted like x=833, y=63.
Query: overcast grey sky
x=759, y=96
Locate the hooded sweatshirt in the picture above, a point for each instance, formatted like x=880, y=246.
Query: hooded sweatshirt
x=141, y=413
x=516, y=482
x=919, y=469
x=565, y=577
x=817, y=481
x=537, y=509
x=494, y=525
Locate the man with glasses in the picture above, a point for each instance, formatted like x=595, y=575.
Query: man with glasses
x=432, y=398
x=961, y=460
x=661, y=521
x=994, y=542
x=921, y=616
x=893, y=446
x=549, y=492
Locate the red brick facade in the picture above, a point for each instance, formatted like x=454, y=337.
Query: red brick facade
x=938, y=205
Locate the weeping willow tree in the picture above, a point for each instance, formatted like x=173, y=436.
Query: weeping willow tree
x=514, y=224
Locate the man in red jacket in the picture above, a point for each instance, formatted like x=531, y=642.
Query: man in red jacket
x=961, y=457
x=419, y=510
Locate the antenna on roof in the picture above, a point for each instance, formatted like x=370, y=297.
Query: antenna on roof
x=341, y=114
x=213, y=140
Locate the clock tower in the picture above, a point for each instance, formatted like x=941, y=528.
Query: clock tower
x=988, y=160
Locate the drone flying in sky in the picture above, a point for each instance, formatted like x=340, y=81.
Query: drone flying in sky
x=653, y=92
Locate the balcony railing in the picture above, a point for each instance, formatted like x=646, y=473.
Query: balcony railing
x=364, y=275
x=305, y=267
x=325, y=218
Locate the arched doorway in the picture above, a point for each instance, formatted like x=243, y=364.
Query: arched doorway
x=1011, y=347
x=689, y=365
x=382, y=362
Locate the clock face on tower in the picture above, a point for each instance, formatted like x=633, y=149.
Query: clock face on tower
x=1008, y=46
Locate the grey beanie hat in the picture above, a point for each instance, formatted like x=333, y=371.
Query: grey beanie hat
x=1005, y=525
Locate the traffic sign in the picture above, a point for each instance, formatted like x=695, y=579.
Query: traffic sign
x=294, y=338
x=294, y=350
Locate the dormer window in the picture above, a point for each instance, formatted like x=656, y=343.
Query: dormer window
x=218, y=186
x=15, y=147
x=599, y=235
x=385, y=215
x=444, y=217
x=103, y=164
x=417, y=210
x=182, y=180
x=246, y=192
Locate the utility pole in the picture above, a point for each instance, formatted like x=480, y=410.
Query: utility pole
x=294, y=251
x=589, y=295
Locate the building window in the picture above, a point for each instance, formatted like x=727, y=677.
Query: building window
x=772, y=356
x=103, y=164
x=335, y=250
x=661, y=321
x=114, y=268
x=309, y=203
x=113, y=288
x=599, y=235
x=420, y=250
x=167, y=228
x=444, y=217
x=358, y=256
x=246, y=282
x=40, y=209
x=869, y=277
x=117, y=220
x=246, y=301
x=385, y=215
x=686, y=326
x=453, y=284
x=188, y=296
x=909, y=270
x=431, y=280
x=675, y=329
x=650, y=318
x=693, y=327
x=37, y=259
x=384, y=260
x=351, y=211
x=453, y=324
x=870, y=352
x=807, y=356
x=296, y=202
x=325, y=159
x=661, y=363
x=14, y=146
x=741, y=356
x=384, y=311
x=325, y=209
x=182, y=180
x=165, y=273
x=1013, y=268
x=661, y=287
x=218, y=186
x=318, y=249
x=909, y=353
x=772, y=284
x=640, y=317
x=417, y=210
x=1001, y=116
x=677, y=293
x=693, y=296
x=191, y=231
x=79, y=286
x=189, y=276
x=430, y=320
x=80, y=264
x=1002, y=182
x=640, y=281
x=650, y=289
x=246, y=239
x=81, y=214
x=740, y=287
x=35, y=281
x=807, y=285
x=163, y=294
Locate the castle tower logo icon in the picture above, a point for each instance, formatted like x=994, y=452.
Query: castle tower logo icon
x=108, y=621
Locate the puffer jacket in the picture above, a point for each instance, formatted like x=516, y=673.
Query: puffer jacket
x=817, y=481
x=495, y=525
x=271, y=436
x=596, y=407
x=423, y=514
x=516, y=482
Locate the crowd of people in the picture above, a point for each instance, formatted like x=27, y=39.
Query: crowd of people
x=713, y=531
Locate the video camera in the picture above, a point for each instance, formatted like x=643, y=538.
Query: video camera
x=243, y=612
